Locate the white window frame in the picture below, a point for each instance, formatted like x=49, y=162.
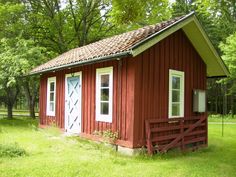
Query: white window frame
x=50, y=80
x=179, y=74
x=99, y=116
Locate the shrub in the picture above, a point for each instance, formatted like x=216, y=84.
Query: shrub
x=11, y=150
x=108, y=135
x=111, y=135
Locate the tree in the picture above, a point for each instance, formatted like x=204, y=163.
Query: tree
x=183, y=7
x=61, y=26
x=229, y=56
x=131, y=14
x=11, y=19
x=217, y=17
x=17, y=58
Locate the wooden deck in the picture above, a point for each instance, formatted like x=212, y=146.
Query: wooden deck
x=184, y=133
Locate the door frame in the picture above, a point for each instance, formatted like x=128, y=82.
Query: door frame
x=80, y=100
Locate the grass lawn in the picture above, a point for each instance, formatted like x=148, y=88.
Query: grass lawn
x=51, y=154
x=218, y=118
x=16, y=112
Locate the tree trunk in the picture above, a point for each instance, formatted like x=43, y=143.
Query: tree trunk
x=11, y=96
x=31, y=109
x=225, y=110
x=216, y=105
x=31, y=97
x=232, y=105
x=9, y=111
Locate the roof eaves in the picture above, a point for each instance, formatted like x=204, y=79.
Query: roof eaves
x=88, y=61
x=217, y=77
x=158, y=36
x=210, y=44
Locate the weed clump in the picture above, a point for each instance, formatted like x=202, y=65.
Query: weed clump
x=11, y=150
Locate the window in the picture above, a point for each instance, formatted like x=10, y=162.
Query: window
x=104, y=90
x=176, y=93
x=51, y=96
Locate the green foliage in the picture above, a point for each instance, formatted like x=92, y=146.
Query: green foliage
x=18, y=57
x=12, y=20
x=130, y=14
x=218, y=17
x=229, y=56
x=61, y=26
x=229, y=53
x=11, y=150
x=127, y=11
x=183, y=7
x=108, y=135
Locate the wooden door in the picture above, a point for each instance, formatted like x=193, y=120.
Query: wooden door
x=73, y=103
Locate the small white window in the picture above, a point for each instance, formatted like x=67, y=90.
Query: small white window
x=176, y=93
x=104, y=84
x=51, y=96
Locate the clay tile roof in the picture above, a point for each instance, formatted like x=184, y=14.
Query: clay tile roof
x=108, y=47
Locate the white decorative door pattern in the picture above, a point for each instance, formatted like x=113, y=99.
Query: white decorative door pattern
x=73, y=103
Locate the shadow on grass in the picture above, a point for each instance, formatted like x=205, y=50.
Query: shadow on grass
x=19, y=122
x=178, y=154
x=89, y=144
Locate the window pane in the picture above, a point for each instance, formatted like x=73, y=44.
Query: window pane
x=104, y=108
x=105, y=80
x=176, y=109
x=52, y=96
x=175, y=95
x=52, y=86
x=175, y=82
x=104, y=94
x=52, y=106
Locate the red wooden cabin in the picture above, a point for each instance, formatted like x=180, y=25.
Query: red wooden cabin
x=148, y=85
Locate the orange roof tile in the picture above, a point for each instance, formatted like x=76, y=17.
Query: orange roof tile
x=108, y=47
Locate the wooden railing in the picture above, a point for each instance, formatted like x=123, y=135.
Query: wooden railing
x=183, y=133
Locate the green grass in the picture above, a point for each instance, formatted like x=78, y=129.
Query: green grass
x=218, y=118
x=16, y=112
x=49, y=153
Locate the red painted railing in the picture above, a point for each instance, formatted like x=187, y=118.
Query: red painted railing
x=184, y=133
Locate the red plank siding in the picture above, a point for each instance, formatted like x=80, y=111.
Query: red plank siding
x=123, y=124
x=140, y=89
x=152, y=80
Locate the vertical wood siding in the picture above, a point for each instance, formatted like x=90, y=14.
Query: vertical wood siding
x=123, y=98
x=140, y=89
x=152, y=80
